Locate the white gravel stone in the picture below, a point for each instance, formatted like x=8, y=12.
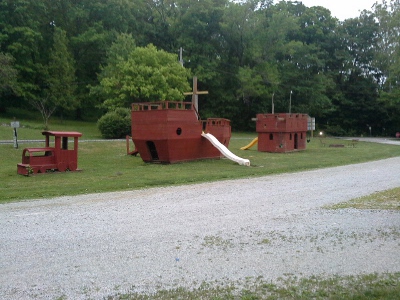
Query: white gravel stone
x=96, y=245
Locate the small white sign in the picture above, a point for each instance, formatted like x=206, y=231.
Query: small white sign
x=311, y=123
x=15, y=124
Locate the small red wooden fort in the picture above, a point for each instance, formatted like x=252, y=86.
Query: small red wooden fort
x=284, y=132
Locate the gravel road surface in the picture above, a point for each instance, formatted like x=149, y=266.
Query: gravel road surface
x=95, y=245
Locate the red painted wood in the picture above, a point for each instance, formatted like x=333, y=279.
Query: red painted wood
x=281, y=132
x=169, y=132
x=61, y=156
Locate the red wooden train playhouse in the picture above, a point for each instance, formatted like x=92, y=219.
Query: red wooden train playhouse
x=170, y=132
x=282, y=132
x=61, y=157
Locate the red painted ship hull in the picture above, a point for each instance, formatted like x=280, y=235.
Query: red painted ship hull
x=170, y=132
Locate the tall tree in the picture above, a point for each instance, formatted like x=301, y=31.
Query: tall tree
x=8, y=74
x=388, y=61
x=118, y=53
x=357, y=106
x=21, y=23
x=58, y=92
x=61, y=71
x=8, y=77
x=147, y=75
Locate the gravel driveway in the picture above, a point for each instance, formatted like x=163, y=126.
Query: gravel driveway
x=95, y=245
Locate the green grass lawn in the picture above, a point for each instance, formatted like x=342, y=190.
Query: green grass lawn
x=31, y=128
x=106, y=167
x=368, y=286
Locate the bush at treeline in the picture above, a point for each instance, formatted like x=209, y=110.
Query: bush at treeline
x=115, y=124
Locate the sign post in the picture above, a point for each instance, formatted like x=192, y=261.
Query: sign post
x=15, y=125
x=311, y=125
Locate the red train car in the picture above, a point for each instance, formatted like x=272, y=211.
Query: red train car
x=61, y=157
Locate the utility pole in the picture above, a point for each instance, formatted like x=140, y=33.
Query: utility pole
x=290, y=103
x=180, y=56
x=273, y=108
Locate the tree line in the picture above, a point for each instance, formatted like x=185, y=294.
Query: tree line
x=80, y=59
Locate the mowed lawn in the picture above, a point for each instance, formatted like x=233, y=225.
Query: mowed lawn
x=105, y=166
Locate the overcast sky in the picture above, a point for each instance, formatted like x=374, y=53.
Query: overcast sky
x=341, y=9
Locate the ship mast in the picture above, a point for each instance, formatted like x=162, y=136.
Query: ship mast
x=195, y=95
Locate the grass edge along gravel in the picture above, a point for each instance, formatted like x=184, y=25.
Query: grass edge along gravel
x=107, y=168
x=366, y=286
x=389, y=199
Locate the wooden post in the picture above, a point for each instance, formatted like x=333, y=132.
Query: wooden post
x=195, y=94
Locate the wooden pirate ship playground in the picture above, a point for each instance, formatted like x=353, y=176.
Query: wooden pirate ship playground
x=171, y=131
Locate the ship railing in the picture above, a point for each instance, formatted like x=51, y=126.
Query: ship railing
x=215, y=122
x=142, y=106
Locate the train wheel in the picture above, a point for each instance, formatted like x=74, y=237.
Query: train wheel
x=73, y=166
x=62, y=166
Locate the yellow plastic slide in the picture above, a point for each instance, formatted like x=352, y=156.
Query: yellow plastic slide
x=252, y=143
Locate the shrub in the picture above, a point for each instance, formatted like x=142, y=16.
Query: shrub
x=335, y=130
x=115, y=124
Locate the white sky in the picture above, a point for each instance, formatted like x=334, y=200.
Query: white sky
x=341, y=9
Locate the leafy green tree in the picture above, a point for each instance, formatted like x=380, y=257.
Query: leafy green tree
x=8, y=77
x=21, y=37
x=360, y=37
x=357, y=107
x=58, y=92
x=294, y=50
x=61, y=74
x=270, y=40
x=162, y=16
x=236, y=31
x=388, y=47
x=388, y=62
x=8, y=74
x=89, y=49
x=242, y=52
x=118, y=52
x=147, y=75
x=197, y=28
